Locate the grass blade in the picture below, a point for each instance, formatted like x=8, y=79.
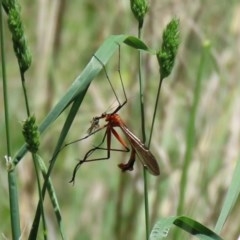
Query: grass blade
x=190, y=134
x=162, y=227
x=231, y=198
x=13, y=193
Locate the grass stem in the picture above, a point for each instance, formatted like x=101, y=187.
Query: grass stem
x=12, y=184
x=190, y=134
x=155, y=111
x=141, y=100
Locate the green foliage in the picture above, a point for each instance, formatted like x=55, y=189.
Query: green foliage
x=168, y=51
x=162, y=227
x=139, y=9
x=195, y=137
x=230, y=200
x=31, y=134
x=20, y=45
x=190, y=134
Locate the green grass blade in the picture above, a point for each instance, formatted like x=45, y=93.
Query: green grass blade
x=196, y=229
x=162, y=227
x=136, y=43
x=190, y=135
x=47, y=183
x=52, y=196
x=231, y=198
x=14, y=209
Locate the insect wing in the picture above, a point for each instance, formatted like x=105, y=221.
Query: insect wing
x=143, y=153
x=94, y=125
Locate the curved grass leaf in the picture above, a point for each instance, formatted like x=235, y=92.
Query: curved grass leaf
x=136, y=43
x=231, y=198
x=47, y=183
x=162, y=227
x=52, y=195
x=82, y=82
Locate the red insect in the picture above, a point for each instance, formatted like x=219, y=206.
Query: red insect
x=113, y=121
x=137, y=147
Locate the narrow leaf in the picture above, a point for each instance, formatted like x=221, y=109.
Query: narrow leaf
x=231, y=198
x=161, y=229
x=136, y=43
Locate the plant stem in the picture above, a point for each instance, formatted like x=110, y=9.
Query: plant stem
x=141, y=99
x=35, y=159
x=190, y=139
x=14, y=207
x=190, y=135
x=5, y=93
x=155, y=111
x=12, y=185
x=146, y=205
x=37, y=167
x=25, y=94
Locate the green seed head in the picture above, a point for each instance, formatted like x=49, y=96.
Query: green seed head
x=139, y=9
x=170, y=42
x=31, y=134
x=19, y=40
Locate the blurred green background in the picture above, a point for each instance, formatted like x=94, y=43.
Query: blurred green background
x=105, y=203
